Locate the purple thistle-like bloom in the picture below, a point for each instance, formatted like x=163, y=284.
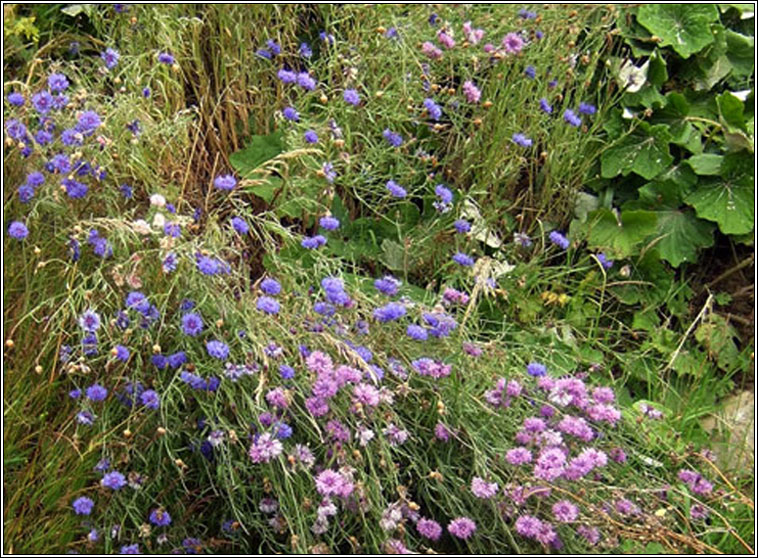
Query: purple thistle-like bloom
x=429, y=528
x=565, y=512
x=571, y=117
x=559, y=240
x=545, y=106
x=57, y=82
x=528, y=526
x=463, y=259
x=443, y=193
x=217, y=349
x=462, y=527
x=113, y=480
x=393, y=138
x=88, y=122
x=240, y=225
x=265, y=448
x=110, y=57
x=604, y=261
x=536, y=369
x=351, y=97
x=75, y=189
x=586, y=108
x=129, y=549
x=395, y=189
x=329, y=223
x=513, y=43
x=166, y=58
x=273, y=47
x=387, y=285
x=16, y=99
x=89, y=321
x=42, y=102
x=150, y=399
x=431, y=51
x=18, y=230
x=270, y=286
x=160, y=518
x=472, y=92
x=96, y=392
x=483, y=489
x=518, y=456
x=268, y=305
x=83, y=505
x=225, y=182
x=390, y=312
x=311, y=137
x=417, y=332
x=287, y=76
x=590, y=534
x=291, y=114
x=313, y=242
x=15, y=129
x=530, y=72
x=521, y=139
x=434, y=110
x=462, y=226
x=192, y=324
x=305, y=81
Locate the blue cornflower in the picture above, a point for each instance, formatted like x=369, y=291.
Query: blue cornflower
x=192, y=324
x=166, y=58
x=273, y=47
x=240, y=225
x=530, y=72
x=170, y=263
x=217, y=349
x=16, y=99
x=110, y=57
x=57, y=82
x=521, y=139
x=434, y=110
x=394, y=139
x=18, y=230
x=150, y=399
x=463, y=259
x=290, y=114
x=571, y=117
x=160, y=518
x=174, y=230
x=286, y=76
x=89, y=321
x=443, y=193
x=15, y=129
x=42, y=102
x=137, y=301
x=122, y=353
x=268, y=305
x=387, y=285
x=329, y=223
x=545, y=106
x=305, y=81
x=351, y=96
x=389, y=312
x=225, y=182
x=324, y=308
x=462, y=226
x=177, y=359
x=604, y=261
x=83, y=505
x=559, y=240
x=305, y=50
x=88, y=122
x=311, y=137
x=286, y=372
x=113, y=480
x=395, y=189
x=536, y=369
x=313, y=242
x=270, y=286
x=416, y=332
x=586, y=108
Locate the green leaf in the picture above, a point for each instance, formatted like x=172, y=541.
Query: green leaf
x=691, y=362
x=730, y=199
x=682, y=235
x=646, y=320
x=657, y=73
x=731, y=111
x=644, y=152
x=675, y=114
x=707, y=164
x=740, y=52
x=667, y=190
x=717, y=337
x=74, y=10
x=393, y=255
x=247, y=161
x=686, y=28
x=620, y=239
x=267, y=190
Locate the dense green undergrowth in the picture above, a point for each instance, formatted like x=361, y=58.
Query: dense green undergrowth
x=562, y=196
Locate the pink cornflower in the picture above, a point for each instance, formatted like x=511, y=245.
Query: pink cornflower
x=431, y=51
x=333, y=483
x=461, y=527
x=265, y=448
x=518, y=456
x=565, y=512
x=445, y=40
x=513, y=43
x=483, y=489
x=471, y=91
x=366, y=394
x=429, y=528
x=319, y=362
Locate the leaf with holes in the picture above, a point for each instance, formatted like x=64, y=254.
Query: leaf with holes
x=684, y=27
x=729, y=200
x=645, y=152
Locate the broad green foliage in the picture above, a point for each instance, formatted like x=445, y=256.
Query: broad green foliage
x=686, y=28
x=644, y=152
x=623, y=236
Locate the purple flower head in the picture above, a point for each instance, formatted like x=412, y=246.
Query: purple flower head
x=416, y=332
x=586, y=108
x=110, y=57
x=42, y=102
x=18, y=230
x=462, y=226
x=429, y=528
x=571, y=117
x=225, y=182
x=463, y=259
x=431, y=51
x=129, y=549
x=559, y=240
x=545, y=106
x=390, y=312
x=387, y=285
x=291, y=114
x=240, y=225
x=483, y=489
x=96, y=392
x=166, y=58
x=521, y=139
x=311, y=137
x=434, y=110
x=305, y=50
x=88, y=122
x=394, y=139
x=113, y=480
x=160, y=518
x=150, y=399
x=461, y=527
x=16, y=99
x=217, y=349
x=518, y=456
x=15, y=129
x=536, y=369
x=192, y=324
x=89, y=321
x=513, y=43
x=265, y=448
x=268, y=305
x=57, y=82
x=313, y=242
x=565, y=512
x=530, y=72
x=329, y=223
x=604, y=261
x=83, y=505
x=305, y=81
x=395, y=189
x=351, y=97
x=273, y=47
x=270, y=286
x=471, y=91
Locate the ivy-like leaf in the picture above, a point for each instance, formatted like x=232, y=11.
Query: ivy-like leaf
x=681, y=235
x=686, y=28
x=729, y=200
x=247, y=161
x=740, y=52
x=706, y=164
x=620, y=238
x=645, y=152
